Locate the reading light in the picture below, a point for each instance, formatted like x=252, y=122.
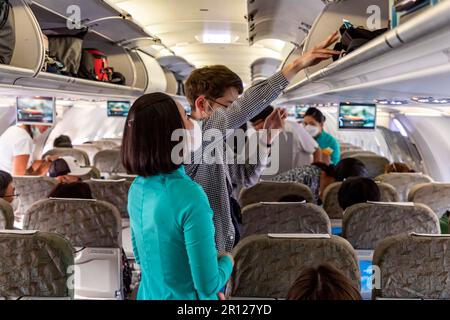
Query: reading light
x=392, y=102
x=431, y=100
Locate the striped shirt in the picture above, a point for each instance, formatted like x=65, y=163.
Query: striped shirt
x=216, y=179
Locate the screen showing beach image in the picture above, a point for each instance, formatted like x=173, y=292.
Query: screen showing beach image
x=38, y=110
x=357, y=116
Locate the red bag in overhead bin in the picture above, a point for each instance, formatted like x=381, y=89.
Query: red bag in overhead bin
x=94, y=66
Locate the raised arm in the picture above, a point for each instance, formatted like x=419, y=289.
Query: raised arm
x=259, y=96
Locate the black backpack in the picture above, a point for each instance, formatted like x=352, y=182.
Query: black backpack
x=354, y=37
x=7, y=33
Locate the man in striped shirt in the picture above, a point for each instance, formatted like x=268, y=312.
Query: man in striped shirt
x=213, y=93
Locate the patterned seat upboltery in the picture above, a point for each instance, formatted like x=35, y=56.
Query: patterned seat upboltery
x=32, y=189
x=331, y=203
x=375, y=164
x=435, y=195
x=109, y=161
x=6, y=215
x=403, y=182
x=86, y=223
x=413, y=267
x=366, y=224
x=264, y=218
x=35, y=264
x=267, y=265
x=268, y=191
x=79, y=155
x=112, y=191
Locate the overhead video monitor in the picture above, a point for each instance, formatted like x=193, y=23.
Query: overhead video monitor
x=118, y=108
x=35, y=110
x=357, y=116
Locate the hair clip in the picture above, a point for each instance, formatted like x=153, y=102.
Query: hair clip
x=130, y=122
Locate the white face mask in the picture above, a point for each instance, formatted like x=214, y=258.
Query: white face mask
x=312, y=130
x=194, y=139
x=15, y=204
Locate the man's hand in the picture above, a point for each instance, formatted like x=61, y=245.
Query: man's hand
x=316, y=55
x=274, y=124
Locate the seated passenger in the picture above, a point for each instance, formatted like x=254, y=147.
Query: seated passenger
x=17, y=148
x=398, y=167
x=67, y=169
x=7, y=191
x=314, y=121
x=318, y=176
x=323, y=283
x=73, y=190
x=358, y=190
x=62, y=141
x=170, y=217
x=304, y=145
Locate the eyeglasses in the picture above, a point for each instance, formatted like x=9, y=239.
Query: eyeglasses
x=11, y=196
x=221, y=104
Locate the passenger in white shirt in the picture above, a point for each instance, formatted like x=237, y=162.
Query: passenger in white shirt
x=17, y=147
x=301, y=147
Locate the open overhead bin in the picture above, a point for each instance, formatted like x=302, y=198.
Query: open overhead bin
x=28, y=50
x=410, y=60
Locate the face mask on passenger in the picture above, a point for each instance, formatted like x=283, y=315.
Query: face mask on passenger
x=15, y=204
x=312, y=130
x=194, y=139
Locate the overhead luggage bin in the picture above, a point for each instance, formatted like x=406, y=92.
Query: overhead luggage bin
x=287, y=20
x=408, y=61
x=28, y=51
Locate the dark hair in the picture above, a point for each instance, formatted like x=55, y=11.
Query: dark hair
x=291, y=198
x=147, y=145
x=328, y=169
x=74, y=190
x=323, y=283
x=58, y=168
x=350, y=167
x=62, y=141
x=212, y=82
x=358, y=190
x=398, y=167
x=5, y=181
x=316, y=114
x=263, y=115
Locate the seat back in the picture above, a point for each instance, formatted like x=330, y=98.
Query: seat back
x=79, y=155
x=95, y=228
x=267, y=265
x=264, y=218
x=375, y=164
x=30, y=190
x=109, y=161
x=403, y=182
x=269, y=191
x=366, y=224
x=112, y=191
x=435, y=195
x=90, y=149
x=413, y=267
x=6, y=215
x=106, y=144
x=86, y=223
x=352, y=152
x=35, y=264
x=331, y=202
